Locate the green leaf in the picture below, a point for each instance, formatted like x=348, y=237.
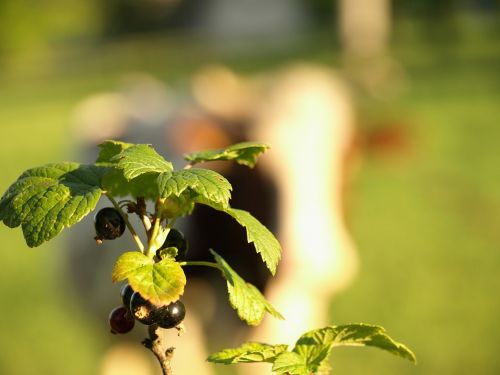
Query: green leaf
x=161, y=283
x=264, y=241
x=145, y=185
x=245, y=153
x=248, y=352
x=205, y=182
x=291, y=363
x=360, y=334
x=44, y=200
x=110, y=149
x=139, y=159
x=315, y=346
x=245, y=298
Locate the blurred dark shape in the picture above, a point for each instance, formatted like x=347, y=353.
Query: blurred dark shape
x=135, y=16
x=324, y=12
x=253, y=191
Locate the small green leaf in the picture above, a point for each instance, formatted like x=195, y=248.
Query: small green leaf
x=245, y=153
x=44, y=200
x=245, y=298
x=248, y=352
x=169, y=252
x=110, y=149
x=291, y=363
x=161, y=283
x=360, y=334
x=139, y=159
x=205, y=182
x=265, y=243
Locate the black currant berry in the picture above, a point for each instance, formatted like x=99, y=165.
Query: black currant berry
x=175, y=238
x=126, y=294
x=143, y=310
x=172, y=315
x=120, y=320
x=109, y=224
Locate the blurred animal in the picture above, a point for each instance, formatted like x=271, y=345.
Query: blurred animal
x=296, y=190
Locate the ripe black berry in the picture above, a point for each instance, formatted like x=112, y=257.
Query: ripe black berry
x=143, y=310
x=126, y=294
x=109, y=224
x=172, y=315
x=175, y=238
x=120, y=320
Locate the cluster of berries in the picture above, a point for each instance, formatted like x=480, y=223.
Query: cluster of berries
x=109, y=224
x=135, y=307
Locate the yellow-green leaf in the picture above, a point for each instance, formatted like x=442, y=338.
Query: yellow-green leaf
x=161, y=283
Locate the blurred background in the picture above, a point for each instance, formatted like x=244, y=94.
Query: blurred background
x=422, y=196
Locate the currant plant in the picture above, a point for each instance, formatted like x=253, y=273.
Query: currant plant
x=134, y=177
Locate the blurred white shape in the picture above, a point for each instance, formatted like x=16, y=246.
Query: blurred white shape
x=307, y=117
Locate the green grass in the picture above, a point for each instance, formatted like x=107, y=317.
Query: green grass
x=427, y=225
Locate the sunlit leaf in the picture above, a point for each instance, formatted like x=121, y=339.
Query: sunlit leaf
x=161, y=283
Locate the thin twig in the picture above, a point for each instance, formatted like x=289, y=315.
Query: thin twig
x=155, y=344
